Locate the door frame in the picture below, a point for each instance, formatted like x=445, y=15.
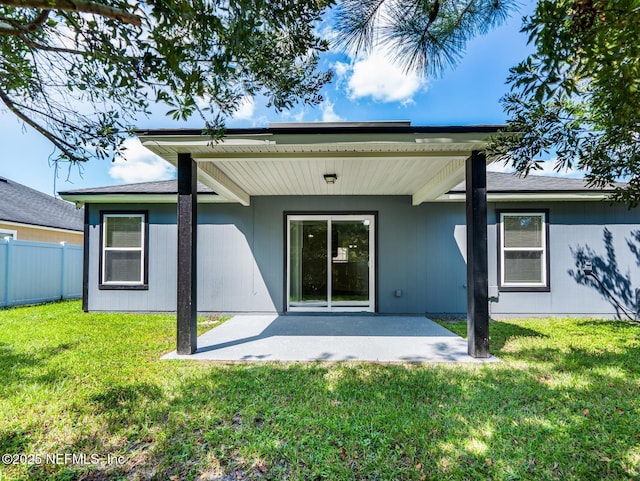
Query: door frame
x=372, y=216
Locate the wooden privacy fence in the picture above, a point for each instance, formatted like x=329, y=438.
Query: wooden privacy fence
x=32, y=272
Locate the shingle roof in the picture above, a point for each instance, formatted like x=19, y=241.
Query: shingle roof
x=505, y=182
x=29, y=206
x=161, y=187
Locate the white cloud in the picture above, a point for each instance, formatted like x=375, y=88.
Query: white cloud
x=328, y=112
x=547, y=169
x=246, y=110
x=326, y=30
x=376, y=76
x=140, y=165
x=342, y=69
x=499, y=167
x=299, y=116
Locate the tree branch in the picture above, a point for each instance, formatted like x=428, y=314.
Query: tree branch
x=10, y=27
x=51, y=48
x=65, y=147
x=38, y=21
x=6, y=29
x=53, y=118
x=85, y=6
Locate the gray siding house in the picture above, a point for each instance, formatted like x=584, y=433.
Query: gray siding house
x=354, y=217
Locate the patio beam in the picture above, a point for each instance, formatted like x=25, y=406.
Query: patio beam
x=187, y=248
x=220, y=182
x=477, y=266
x=444, y=180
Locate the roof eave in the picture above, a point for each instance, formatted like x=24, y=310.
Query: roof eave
x=529, y=196
x=40, y=226
x=119, y=198
x=353, y=128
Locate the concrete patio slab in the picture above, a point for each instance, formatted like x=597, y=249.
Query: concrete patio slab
x=275, y=337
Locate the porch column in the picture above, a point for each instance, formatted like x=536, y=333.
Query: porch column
x=477, y=270
x=187, y=307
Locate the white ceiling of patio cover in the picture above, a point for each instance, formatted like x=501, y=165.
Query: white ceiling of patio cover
x=424, y=166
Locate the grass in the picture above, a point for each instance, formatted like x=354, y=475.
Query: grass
x=563, y=404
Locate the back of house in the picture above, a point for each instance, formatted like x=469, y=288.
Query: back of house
x=356, y=218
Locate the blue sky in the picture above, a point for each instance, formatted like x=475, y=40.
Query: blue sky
x=364, y=88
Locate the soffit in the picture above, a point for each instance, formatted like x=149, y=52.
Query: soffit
x=240, y=166
x=356, y=175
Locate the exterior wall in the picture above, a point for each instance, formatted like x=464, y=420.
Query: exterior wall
x=606, y=235
x=43, y=235
x=420, y=251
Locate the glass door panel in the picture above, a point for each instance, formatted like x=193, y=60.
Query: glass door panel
x=330, y=262
x=308, y=263
x=350, y=263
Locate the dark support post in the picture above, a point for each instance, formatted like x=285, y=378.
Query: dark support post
x=187, y=307
x=477, y=270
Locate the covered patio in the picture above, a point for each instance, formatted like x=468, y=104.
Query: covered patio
x=374, y=159
x=307, y=338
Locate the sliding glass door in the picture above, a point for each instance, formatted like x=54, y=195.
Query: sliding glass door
x=330, y=262
x=308, y=263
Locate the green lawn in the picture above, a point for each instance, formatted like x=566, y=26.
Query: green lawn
x=564, y=404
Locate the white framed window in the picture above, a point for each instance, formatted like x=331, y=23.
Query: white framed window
x=523, y=252
x=8, y=234
x=124, y=244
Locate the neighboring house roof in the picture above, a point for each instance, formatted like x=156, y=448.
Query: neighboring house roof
x=498, y=183
x=24, y=205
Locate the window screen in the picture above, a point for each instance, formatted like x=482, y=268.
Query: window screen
x=523, y=251
x=123, y=249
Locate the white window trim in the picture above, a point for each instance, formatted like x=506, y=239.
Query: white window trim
x=6, y=232
x=140, y=249
x=542, y=249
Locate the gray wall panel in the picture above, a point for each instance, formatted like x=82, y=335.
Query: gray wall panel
x=420, y=251
x=446, y=259
x=161, y=295
x=577, y=227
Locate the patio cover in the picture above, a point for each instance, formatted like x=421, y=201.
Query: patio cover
x=370, y=158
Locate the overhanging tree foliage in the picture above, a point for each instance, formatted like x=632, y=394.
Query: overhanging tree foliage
x=80, y=71
x=578, y=95
x=425, y=36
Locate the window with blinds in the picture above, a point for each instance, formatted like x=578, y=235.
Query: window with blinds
x=523, y=251
x=123, y=259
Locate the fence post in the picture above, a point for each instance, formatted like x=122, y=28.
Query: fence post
x=62, y=260
x=7, y=272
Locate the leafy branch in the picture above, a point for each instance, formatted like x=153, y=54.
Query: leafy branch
x=81, y=72
x=83, y=6
x=425, y=37
x=577, y=96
